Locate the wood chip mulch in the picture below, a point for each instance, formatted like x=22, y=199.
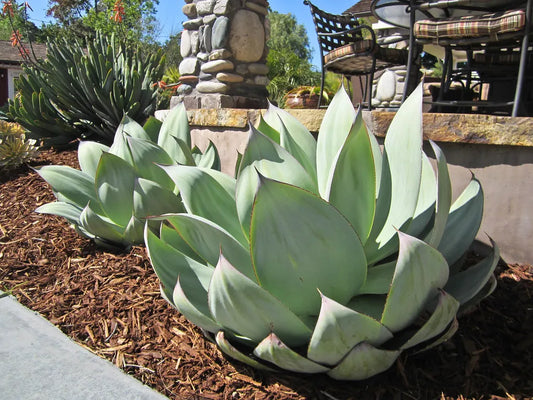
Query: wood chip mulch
x=110, y=304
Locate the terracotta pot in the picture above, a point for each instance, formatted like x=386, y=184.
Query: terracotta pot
x=295, y=100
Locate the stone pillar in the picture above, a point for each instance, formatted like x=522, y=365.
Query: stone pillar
x=224, y=51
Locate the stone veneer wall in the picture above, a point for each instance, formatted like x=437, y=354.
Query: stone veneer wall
x=224, y=51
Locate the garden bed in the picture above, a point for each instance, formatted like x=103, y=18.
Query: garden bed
x=110, y=304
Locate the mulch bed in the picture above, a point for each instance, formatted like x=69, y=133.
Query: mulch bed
x=110, y=304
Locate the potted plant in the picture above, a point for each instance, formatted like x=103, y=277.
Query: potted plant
x=305, y=97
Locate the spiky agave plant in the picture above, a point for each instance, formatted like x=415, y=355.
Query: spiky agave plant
x=117, y=187
x=323, y=256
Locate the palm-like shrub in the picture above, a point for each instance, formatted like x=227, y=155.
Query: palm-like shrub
x=15, y=149
x=82, y=92
x=325, y=256
x=117, y=187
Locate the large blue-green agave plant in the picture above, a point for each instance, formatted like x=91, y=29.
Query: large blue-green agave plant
x=326, y=256
x=117, y=187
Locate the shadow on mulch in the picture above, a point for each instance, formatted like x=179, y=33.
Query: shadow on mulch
x=110, y=304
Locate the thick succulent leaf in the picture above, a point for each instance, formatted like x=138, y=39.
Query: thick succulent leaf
x=66, y=210
x=209, y=194
x=314, y=248
x=234, y=353
x=175, y=126
x=339, y=329
x=335, y=127
x=352, y=185
x=145, y=157
x=194, y=310
x=89, y=154
x=170, y=236
x=208, y=239
x=152, y=126
x=485, y=291
x=273, y=350
x=133, y=129
x=466, y=284
x=100, y=227
x=267, y=130
x=448, y=333
x=368, y=304
x=169, y=265
x=379, y=279
x=242, y=306
x=363, y=362
x=294, y=137
x=403, y=148
x=115, y=180
x=378, y=161
x=271, y=160
x=420, y=271
x=463, y=222
x=133, y=233
x=187, y=157
x=209, y=158
x=439, y=320
x=444, y=197
x=73, y=185
x=120, y=146
x=427, y=199
x=151, y=199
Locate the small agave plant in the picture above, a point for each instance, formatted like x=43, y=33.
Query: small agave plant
x=117, y=187
x=325, y=256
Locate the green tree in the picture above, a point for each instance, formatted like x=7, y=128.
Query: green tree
x=172, y=50
x=289, y=57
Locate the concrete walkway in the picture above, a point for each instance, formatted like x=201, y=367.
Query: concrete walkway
x=37, y=361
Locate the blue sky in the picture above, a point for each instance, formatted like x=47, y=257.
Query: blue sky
x=170, y=16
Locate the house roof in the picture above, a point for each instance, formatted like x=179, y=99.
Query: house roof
x=11, y=55
x=362, y=7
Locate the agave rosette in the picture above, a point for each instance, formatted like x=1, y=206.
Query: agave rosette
x=117, y=187
x=325, y=256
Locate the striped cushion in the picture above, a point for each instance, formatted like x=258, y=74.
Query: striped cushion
x=355, y=58
x=490, y=25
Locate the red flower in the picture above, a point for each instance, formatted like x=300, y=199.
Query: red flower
x=118, y=9
x=15, y=38
x=8, y=8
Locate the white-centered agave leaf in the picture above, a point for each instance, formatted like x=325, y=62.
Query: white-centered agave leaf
x=89, y=154
x=273, y=350
x=133, y=233
x=233, y=352
x=439, y=320
x=420, y=271
x=403, y=149
x=73, y=185
x=427, y=199
x=339, y=329
x=271, y=160
x=145, y=156
x=363, y=362
x=66, y=210
x=115, y=180
x=352, y=185
x=169, y=265
x=379, y=279
x=468, y=283
x=335, y=127
x=300, y=243
x=208, y=239
x=294, y=137
x=100, y=227
x=196, y=312
x=242, y=306
x=444, y=197
x=209, y=194
x=175, y=126
x=463, y=222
